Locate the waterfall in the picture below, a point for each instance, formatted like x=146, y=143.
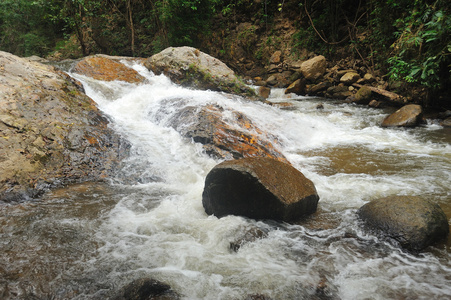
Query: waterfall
x=149, y=221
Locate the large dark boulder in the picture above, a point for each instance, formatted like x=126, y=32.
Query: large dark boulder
x=413, y=222
x=259, y=188
x=51, y=133
x=407, y=116
x=190, y=67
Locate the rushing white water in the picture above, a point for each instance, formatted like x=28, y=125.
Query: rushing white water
x=158, y=228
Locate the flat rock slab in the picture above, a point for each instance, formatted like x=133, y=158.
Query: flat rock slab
x=413, y=222
x=259, y=188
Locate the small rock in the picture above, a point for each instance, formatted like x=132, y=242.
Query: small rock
x=276, y=58
x=350, y=78
x=272, y=80
x=446, y=122
x=322, y=86
x=264, y=91
x=407, y=116
x=369, y=78
x=375, y=103
x=297, y=87
x=363, y=96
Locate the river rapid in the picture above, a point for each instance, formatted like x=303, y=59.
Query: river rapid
x=86, y=241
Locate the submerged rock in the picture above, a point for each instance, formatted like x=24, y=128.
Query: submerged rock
x=51, y=133
x=223, y=138
x=259, y=188
x=146, y=289
x=407, y=116
x=250, y=235
x=190, y=67
x=413, y=222
x=107, y=69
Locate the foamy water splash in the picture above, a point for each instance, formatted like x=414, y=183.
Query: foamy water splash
x=160, y=229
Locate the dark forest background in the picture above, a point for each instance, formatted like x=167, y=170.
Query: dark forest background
x=408, y=40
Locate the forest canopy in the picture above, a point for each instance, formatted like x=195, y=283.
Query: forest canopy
x=408, y=39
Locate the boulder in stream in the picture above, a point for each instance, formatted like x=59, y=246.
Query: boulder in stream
x=232, y=137
x=190, y=67
x=107, y=68
x=407, y=116
x=413, y=222
x=259, y=188
x=51, y=133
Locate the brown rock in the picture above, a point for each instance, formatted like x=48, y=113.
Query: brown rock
x=272, y=80
x=264, y=91
x=103, y=68
x=297, y=87
x=407, y=116
x=322, y=86
x=363, y=96
x=413, y=222
x=350, y=78
x=338, y=92
x=314, y=68
x=207, y=125
x=368, y=78
x=276, y=58
x=259, y=188
x=375, y=103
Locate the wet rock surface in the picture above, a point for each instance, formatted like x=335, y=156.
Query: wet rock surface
x=190, y=67
x=407, y=116
x=208, y=125
x=107, y=68
x=146, y=289
x=51, y=133
x=413, y=222
x=259, y=188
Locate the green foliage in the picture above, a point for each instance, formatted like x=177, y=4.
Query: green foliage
x=26, y=27
x=421, y=53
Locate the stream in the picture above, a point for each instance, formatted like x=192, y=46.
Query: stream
x=88, y=240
